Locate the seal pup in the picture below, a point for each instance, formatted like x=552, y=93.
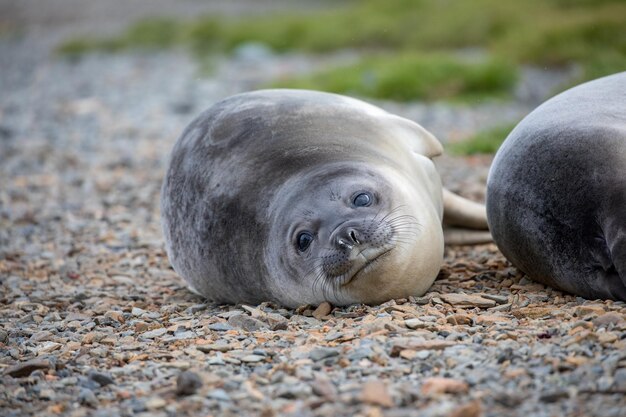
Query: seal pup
x=301, y=197
x=556, y=191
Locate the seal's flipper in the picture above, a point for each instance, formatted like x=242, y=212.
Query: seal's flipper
x=455, y=236
x=420, y=140
x=459, y=211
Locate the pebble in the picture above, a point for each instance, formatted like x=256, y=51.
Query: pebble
x=87, y=397
x=468, y=300
x=439, y=385
x=247, y=323
x=252, y=358
x=101, y=378
x=322, y=310
x=155, y=403
x=376, y=393
x=219, y=395
x=220, y=327
x=187, y=383
x=153, y=334
x=26, y=368
x=319, y=353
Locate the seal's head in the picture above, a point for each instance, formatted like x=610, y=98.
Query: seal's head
x=302, y=197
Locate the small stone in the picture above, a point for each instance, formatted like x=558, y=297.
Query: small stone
x=219, y=395
x=408, y=354
x=4, y=336
x=532, y=312
x=375, y=393
x=607, y=319
x=252, y=358
x=48, y=347
x=323, y=387
x=322, y=310
x=41, y=336
x=136, y=311
x=89, y=338
x=553, y=396
x=490, y=319
x=415, y=324
x=319, y=353
x=153, y=334
x=294, y=391
x=500, y=299
x=103, y=379
x=467, y=300
x=220, y=327
x=26, y=368
x=586, y=310
x=247, y=323
x=154, y=403
x=47, y=394
x=420, y=345
x=439, y=385
x=115, y=315
x=459, y=319
x=472, y=409
x=87, y=397
x=219, y=347
x=607, y=337
x=188, y=383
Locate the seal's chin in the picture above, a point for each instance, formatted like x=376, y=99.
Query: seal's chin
x=364, y=262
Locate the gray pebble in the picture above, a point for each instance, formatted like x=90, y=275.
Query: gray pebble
x=219, y=395
x=220, y=327
x=87, y=397
x=188, y=383
x=319, y=353
x=103, y=379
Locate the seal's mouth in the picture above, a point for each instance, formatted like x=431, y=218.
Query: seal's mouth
x=367, y=265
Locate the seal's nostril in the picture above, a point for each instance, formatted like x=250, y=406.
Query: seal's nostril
x=354, y=238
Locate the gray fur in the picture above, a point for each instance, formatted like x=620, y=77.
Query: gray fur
x=257, y=169
x=556, y=192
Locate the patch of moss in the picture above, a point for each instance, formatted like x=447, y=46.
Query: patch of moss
x=410, y=76
x=485, y=142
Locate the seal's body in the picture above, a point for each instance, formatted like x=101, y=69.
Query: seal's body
x=303, y=197
x=556, y=192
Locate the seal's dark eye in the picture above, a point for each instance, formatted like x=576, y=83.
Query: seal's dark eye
x=304, y=241
x=362, y=200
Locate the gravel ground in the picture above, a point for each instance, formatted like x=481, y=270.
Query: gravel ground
x=93, y=321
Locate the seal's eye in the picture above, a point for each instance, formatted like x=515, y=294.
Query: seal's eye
x=304, y=241
x=362, y=200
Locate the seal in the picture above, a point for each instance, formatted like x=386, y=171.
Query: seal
x=556, y=191
x=300, y=197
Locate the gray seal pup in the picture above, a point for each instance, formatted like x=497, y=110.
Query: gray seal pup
x=556, y=191
x=301, y=197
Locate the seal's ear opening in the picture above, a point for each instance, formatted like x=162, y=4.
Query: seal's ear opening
x=420, y=140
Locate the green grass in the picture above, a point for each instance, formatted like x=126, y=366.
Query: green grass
x=546, y=33
x=410, y=76
x=485, y=142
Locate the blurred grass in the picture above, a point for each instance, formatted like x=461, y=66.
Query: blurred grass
x=484, y=142
x=547, y=33
x=407, y=76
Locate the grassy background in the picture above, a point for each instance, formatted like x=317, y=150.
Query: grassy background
x=412, y=49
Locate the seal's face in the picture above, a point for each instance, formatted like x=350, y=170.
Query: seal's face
x=350, y=236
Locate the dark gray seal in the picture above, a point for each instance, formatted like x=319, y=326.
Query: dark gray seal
x=556, y=192
x=302, y=197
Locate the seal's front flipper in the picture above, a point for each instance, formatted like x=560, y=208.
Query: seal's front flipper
x=455, y=236
x=459, y=211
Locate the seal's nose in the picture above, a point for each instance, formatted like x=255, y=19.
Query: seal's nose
x=346, y=237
